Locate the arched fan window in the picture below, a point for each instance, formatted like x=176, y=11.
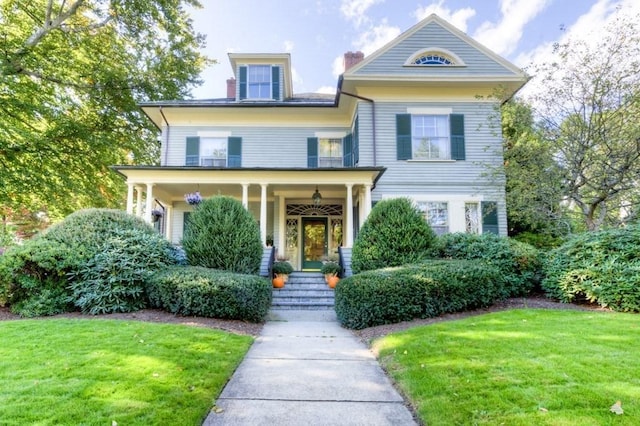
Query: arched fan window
x=432, y=59
x=433, y=56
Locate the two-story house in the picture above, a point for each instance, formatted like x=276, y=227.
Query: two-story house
x=418, y=118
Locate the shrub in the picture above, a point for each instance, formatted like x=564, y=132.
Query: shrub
x=282, y=267
x=601, y=267
x=223, y=235
x=421, y=290
x=193, y=290
x=331, y=268
x=518, y=262
x=394, y=234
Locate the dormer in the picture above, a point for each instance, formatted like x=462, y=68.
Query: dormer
x=264, y=77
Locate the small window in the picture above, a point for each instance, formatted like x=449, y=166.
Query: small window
x=213, y=152
x=432, y=60
x=430, y=137
x=330, y=153
x=436, y=213
x=259, y=82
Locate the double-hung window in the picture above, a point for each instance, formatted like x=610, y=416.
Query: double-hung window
x=436, y=213
x=213, y=152
x=430, y=137
x=259, y=82
x=330, y=153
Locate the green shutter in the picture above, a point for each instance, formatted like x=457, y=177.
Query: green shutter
x=234, y=151
x=243, y=82
x=403, y=136
x=490, y=217
x=192, y=157
x=185, y=222
x=456, y=121
x=275, y=83
x=356, y=143
x=312, y=153
x=347, y=151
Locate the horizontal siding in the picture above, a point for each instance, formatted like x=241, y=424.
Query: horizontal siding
x=433, y=35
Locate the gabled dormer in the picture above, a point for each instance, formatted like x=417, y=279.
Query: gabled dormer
x=260, y=77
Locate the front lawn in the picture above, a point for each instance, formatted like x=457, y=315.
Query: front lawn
x=95, y=372
x=520, y=367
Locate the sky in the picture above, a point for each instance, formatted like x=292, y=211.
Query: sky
x=317, y=33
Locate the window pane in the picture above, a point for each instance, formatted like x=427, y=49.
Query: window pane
x=259, y=81
x=430, y=136
x=213, y=152
x=471, y=218
x=330, y=153
x=436, y=213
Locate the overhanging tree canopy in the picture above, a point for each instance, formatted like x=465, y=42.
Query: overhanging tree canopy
x=71, y=75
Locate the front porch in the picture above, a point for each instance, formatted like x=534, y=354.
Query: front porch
x=307, y=213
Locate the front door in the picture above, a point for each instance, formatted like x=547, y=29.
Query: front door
x=314, y=242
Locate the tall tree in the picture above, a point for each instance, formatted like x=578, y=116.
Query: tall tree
x=589, y=107
x=71, y=75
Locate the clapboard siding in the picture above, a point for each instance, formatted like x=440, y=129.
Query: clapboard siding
x=261, y=146
x=434, y=36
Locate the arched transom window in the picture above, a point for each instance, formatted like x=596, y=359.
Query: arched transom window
x=432, y=59
x=432, y=56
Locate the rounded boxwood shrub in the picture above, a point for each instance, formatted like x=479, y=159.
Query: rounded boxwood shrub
x=223, y=235
x=599, y=267
x=519, y=263
x=422, y=290
x=194, y=290
x=72, y=265
x=395, y=233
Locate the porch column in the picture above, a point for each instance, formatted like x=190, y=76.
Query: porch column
x=282, y=227
x=168, y=219
x=263, y=213
x=367, y=202
x=245, y=195
x=130, y=189
x=138, y=201
x=149, y=206
x=349, y=242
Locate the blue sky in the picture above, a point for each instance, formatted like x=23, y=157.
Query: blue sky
x=318, y=32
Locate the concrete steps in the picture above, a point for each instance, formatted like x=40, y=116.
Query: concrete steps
x=304, y=291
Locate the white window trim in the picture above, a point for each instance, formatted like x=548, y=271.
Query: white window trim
x=429, y=111
x=330, y=135
x=458, y=62
x=213, y=134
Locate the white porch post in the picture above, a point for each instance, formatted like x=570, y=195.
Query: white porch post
x=367, y=202
x=138, y=201
x=282, y=226
x=349, y=242
x=168, y=219
x=130, y=198
x=149, y=206
x=245, y=195
x=263, y=213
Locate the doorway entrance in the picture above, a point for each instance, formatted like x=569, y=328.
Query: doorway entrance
x=314, y=242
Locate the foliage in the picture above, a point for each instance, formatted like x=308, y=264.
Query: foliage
x=331, y=268
x=519, y=367
x=539, y=241
x=395, y=233
x=92, y=372
x=95, y=259
x=194, y=290
x=222, y=234
x=71, y=76
x=518, y=263
x=601, y=267
x=589, y=109
x=282, y=267
x=421, y=290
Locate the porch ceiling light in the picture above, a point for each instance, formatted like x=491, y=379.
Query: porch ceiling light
x=316, y=197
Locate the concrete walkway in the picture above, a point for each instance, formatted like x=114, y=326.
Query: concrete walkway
x=304, y=369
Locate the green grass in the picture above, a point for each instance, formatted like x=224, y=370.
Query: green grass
x=521, y=367
x=94, y=372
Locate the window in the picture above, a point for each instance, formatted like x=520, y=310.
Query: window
x=432, y=59
x=430, y=137
x=471, y=218
x=330, y=153
x=213, y=152
x=436, y=213
x=259, y=82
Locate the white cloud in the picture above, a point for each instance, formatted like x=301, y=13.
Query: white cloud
x=288, y=46
x=354, y=10
x=458, y=17
x=330, y=90
x=376, y=37
x=503, y=37
x=337, y=67
x=296, y=78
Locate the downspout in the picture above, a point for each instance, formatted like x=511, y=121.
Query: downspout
x=166, y=139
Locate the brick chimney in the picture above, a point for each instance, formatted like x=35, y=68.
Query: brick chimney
x=231, y=88
x=352, y=58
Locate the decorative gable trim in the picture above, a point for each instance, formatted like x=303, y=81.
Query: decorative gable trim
x=455, y=60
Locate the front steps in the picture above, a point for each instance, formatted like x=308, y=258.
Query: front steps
x=304, y=291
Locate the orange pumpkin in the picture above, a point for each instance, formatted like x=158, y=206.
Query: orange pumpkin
x=332, y=281
x=278, y=282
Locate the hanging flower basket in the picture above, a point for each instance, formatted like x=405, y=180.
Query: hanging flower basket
x=156, y=214
x=193, y=198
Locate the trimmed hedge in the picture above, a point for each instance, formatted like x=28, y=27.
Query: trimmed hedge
x=194, y=290
x=519, y=263
x=599, y=267
x=394, y=234
x=422, y=290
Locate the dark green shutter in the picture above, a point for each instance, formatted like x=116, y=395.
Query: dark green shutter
x=490, y=217
x=275, y=83
x=456, y=121
x=243, y=82
x=185, y=222
x=312, y=153
x=403, y=136
x=356, y=143
x=347, y=151
x=192, y=157
x=234, y=151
